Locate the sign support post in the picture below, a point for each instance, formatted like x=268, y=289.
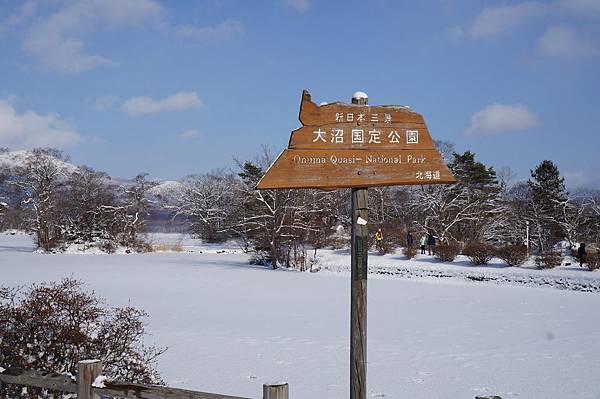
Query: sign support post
x=527, y=236
x=358, y=296
x=357, y=146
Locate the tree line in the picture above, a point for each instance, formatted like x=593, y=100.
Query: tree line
x=63, y=204
x=281, y=227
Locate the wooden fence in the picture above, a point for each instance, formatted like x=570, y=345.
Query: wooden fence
x=89, y=370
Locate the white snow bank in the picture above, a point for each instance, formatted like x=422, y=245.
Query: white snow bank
x=99, y=381
x=425, y=267
x=231, y=327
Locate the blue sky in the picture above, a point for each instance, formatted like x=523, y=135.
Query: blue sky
x=180, y=87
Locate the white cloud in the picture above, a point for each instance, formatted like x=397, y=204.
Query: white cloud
x=223, y=30
x=146, y=105
x=500, y=20
x=21, y=15
x=501, y=118
x=190, y=134
x=101, y=103
x=298, y=5
x=559, y=41
x=29, y=129
x=584, y=7
x=586, y=177
x=57, y=42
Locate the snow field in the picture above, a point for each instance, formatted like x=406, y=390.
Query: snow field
x=230, y=327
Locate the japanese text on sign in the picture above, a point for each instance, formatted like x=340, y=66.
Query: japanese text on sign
x=364, y=136
x=361, y=117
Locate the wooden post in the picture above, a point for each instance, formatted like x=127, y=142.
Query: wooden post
x=279, y=390
x=527, y=236
x=88, y=371
x=358, y=295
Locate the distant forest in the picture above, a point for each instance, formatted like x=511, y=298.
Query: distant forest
x=60, y=204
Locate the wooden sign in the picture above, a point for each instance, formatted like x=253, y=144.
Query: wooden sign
x=347, y=145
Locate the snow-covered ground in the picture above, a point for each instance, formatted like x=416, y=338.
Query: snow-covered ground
x=230, y=326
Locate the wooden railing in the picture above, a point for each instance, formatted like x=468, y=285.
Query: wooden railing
x=88, y=372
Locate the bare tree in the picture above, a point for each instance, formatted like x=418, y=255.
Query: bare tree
x=209, y=201
x=275, y=220
x=136, y=207
x=40, y=179
x=3, y=205
x=88, y=192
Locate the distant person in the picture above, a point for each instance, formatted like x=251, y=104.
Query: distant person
x=431, y=243
x=581, y=253
x=378, y=239
x=423, y=243
x=409, y=239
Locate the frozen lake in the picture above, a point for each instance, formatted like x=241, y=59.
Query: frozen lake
x=231, y=327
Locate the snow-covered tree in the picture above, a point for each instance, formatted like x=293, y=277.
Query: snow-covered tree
x=3, y=205
x=87, y=193
x=548, y=204
x=135, y=208
x=275, y=220
x=40, y=181
x=463, y=211
x=209, y=201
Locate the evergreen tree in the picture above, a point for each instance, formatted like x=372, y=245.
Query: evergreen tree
x=479, y=187
x=547, y=198
x=547, y=185
x=464, y=211
x=473, y=174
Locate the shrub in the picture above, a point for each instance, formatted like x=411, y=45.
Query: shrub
x=108, y=246
x=447, y=252
x=393, y=233
x=593, y=261
x=52, y=326
x=479, y=253
x=167, y=247
x=141, y=246
x=548, y=260
x=384, y=247
x=410, y=252
x=261, y=258
x=512, y=255
x=337, y=242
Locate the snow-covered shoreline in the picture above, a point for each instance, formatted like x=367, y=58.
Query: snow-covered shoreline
x=393, y=266
x=570, y=277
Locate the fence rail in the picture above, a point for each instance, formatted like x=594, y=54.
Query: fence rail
x=88, y=371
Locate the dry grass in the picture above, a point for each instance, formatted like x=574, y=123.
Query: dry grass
x=167, y=247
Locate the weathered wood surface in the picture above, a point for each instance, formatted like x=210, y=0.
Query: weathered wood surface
x=141, y=391
x=276, y=391
x=355, y=168
x=391, y=137
x=312, y=114
x=87, y=372
x=339, y=130
x=39, y=379
x=358, y=296
x=64, y=383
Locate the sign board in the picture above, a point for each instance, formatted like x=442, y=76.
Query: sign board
x=344, y=145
